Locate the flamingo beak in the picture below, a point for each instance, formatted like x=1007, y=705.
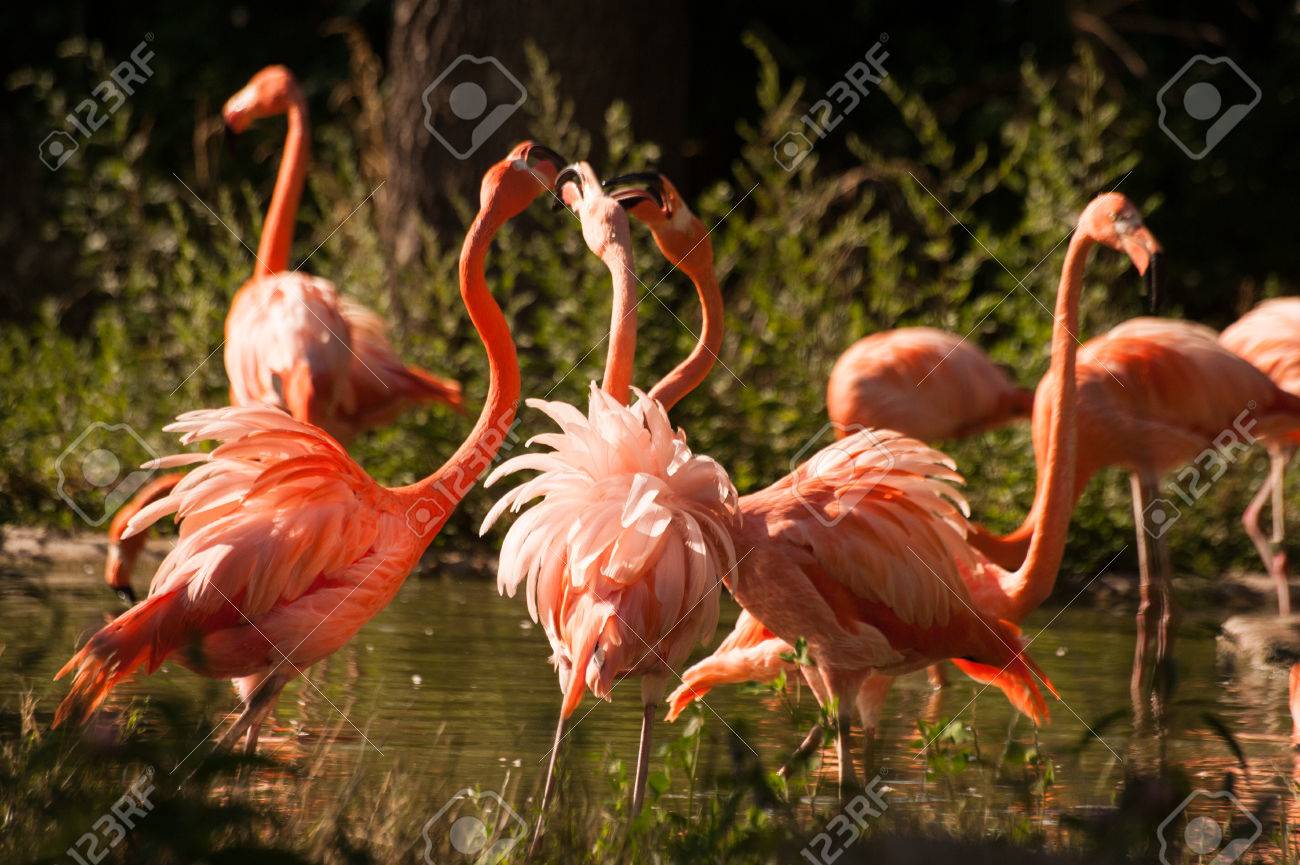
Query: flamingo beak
x=638, y=186
x=1145, y=252
x=570, y=174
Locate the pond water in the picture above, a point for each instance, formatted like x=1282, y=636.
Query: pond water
x=452, y=681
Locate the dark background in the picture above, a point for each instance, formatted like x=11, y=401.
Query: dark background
x=689, y=80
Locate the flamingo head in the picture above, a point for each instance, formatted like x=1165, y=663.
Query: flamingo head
x=652, y=198
x=268, y=93
x=1112, y=220
x=117, y=569
x=513, y=183
x=604, y=224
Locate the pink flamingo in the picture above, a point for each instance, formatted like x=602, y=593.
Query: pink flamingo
x=767, y=586
x=624, y=555
x=925, y=383
x=798, y=570
x=1155, y=395
x=291, y=340
x=283, y=533
x=1269, y=337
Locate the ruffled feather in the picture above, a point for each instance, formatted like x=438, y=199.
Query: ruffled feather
x=630, y=537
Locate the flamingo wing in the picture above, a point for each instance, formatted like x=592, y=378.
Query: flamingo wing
x=879, y=514
x=277, y=504
x=275, y=515
x=380, y=384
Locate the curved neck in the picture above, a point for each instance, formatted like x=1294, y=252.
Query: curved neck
x=277, y=229
x=1033, y=582
x=687, y=375
x=619, y=362
x=449, y=484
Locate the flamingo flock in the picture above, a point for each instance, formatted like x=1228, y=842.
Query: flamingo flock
x=625, y=538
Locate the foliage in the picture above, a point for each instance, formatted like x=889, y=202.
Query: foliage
x=931, y=231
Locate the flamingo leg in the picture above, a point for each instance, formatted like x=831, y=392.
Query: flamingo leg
x=643, y=758
x=1147, y=601
x=547, y=788
x=848, y=779
x=1279, y=458
x=1250, y=521
x=1295, y=705
x=810, y=743
x=937, y=675
x=256, y=708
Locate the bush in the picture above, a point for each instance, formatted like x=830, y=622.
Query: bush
x=917, y=232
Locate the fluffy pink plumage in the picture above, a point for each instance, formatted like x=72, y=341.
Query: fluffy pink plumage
x=624, y=555
x=279, y=529
x=923, y=382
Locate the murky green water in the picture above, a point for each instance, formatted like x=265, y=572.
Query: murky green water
x=452, y=681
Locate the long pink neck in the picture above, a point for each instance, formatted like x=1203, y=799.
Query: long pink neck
x=449, y=484
x=1028, y=587
x=277, y=230
x=621, y=358
x=688, y=375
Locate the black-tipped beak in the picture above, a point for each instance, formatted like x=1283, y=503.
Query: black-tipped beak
x=1154, y=279
x=635, y=187
x=541, y=151
x=228, y=134
x=127, y=594
x=568, y=174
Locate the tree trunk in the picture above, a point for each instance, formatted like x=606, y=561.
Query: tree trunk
x=440, y=76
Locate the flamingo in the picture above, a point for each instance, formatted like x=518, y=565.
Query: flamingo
x=291, y=340
x=781, y=607
x=283, y=533
x=1156, y=394
x=624, y=555
x=1269, y=337
x=866, y=608
x=926, y=383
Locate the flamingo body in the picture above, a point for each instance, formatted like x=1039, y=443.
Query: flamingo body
x=292, y=342
x=923, y=382
x=624, y=555
x=280, y=529
x=1269, y=337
